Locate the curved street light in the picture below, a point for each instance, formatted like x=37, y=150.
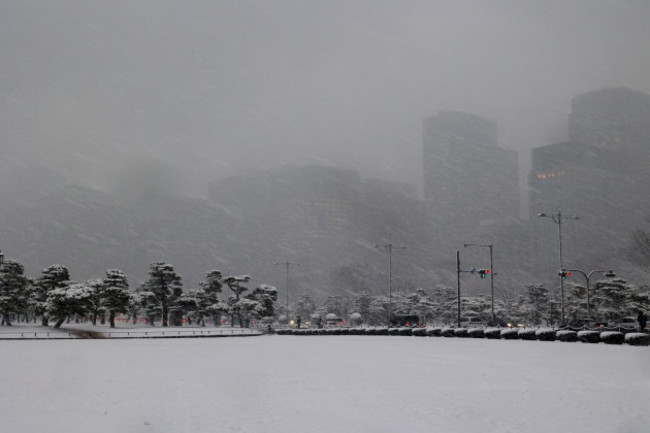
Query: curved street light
x=608, y=274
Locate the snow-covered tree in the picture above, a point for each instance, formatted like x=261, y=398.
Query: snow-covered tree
x=445, y=299
x=53, y=277
x=265, y=296
x=13, y=285
x=115, y=295
x=165, y=284
x=337, y=305
x=613, y=299
x=235, y=307
x=536, y=304
x=96, y=308
x=207, y=297
x=575, y=303
x=66, y=301
x=304, y=307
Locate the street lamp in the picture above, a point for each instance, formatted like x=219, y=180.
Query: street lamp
x=491, y=275
x=287, y=264
x=608, y=274
x=389, y=247
x=557, y=219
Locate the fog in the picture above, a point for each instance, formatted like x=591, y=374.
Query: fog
x=168, y=96
x=212, y=89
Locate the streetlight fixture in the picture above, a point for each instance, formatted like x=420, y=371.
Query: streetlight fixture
x=287, y=264
x=389, y=246
x=608, y=274
x=491, y=274
x=558, y=218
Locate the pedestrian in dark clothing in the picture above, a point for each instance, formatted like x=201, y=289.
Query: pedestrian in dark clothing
x=643, y=320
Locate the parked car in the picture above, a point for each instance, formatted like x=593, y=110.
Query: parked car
x=628, y=322
x=584, y=322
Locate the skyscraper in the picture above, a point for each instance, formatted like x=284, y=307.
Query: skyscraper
x=468, y=180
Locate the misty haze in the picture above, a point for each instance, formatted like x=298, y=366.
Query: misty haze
x=376, y=170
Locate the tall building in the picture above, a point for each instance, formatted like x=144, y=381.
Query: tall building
x=600, y=175
x=469, y=182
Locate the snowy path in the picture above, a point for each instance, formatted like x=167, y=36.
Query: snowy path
x=322, y=384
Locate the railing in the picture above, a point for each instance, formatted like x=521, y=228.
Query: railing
x=130, y=333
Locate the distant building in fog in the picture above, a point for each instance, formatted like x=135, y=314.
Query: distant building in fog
x=469, y=182
x=600, y=175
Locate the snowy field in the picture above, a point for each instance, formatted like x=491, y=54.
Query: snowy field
x=322, y=384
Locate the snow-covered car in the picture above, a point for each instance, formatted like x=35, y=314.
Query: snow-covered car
x=628, y=322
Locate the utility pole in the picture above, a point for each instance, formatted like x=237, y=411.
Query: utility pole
x=287, y=264
x=389, y=247
x=558, y=218
x=491, y=275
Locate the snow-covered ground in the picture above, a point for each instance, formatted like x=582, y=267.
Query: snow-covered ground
x=322, y=384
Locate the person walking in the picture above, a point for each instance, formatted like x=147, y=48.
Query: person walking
x=643, y=320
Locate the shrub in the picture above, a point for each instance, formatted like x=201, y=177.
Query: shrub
x=434, y=332
x=612, y=337
x=509, y=334
x=461, y=332
x=419, y=332
x=405, y=331
x=381, y=331
x=475, y=333
x=527, y=334
x=546, y=334
x=393, y=331
x=567, y=335
x=637, y=339
x=589, y=336
x=448, y=332
x=492, y=333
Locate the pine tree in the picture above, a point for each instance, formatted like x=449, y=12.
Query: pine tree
x=116, y=294
x=236, y=285
x=53, y=277
x=165, y=284
x=266, y=296
x=69, y=300
x=13, y=286
x=207, y=297
x=96, y=287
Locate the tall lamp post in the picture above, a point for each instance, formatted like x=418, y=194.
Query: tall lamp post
x=609, y=274
x=491, y=275
x=287, y=264
x=389, y=246
x=558, y=218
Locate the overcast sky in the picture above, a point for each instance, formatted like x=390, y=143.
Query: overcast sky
x=206, y=89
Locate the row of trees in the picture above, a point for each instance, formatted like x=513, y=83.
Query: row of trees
x=54, y=297
x=611, y=300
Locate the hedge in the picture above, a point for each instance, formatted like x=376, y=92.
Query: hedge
x=612, y=337
x=545, y=334
x=589, y=336
x=567, y=335
x=527, y=334
x=637, y=339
